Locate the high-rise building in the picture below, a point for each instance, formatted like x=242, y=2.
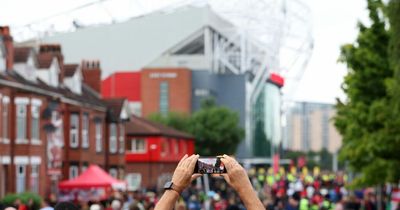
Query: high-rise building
x=309, y=127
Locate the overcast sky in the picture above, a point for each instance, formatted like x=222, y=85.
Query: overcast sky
x=334, y=24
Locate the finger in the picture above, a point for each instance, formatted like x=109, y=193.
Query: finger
x=195, y=176
x=192, y=163
x=227, y=162
x=218, y=176
x=187, y=162
x=182, y=160
x=226, y=177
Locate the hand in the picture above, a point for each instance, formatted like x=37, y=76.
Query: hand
x=183, y=174
x=236, y=176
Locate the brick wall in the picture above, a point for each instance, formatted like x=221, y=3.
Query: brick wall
x=180, y=92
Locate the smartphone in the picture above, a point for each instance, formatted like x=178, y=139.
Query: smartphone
x=209, y=165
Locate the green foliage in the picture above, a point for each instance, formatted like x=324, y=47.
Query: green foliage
x=215, y=128
x=178, y=121
x=368, y=120
x=25, y=197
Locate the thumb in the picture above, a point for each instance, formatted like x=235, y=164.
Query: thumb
x=195, y=176
x=227, y=179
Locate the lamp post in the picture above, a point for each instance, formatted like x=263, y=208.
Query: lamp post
x=152, y=147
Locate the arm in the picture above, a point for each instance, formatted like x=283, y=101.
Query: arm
x=237, y=178
x=182, y=177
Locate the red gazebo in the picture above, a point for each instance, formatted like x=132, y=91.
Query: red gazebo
x=93, y=177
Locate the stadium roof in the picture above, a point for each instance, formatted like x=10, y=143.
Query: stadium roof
x=139, y=41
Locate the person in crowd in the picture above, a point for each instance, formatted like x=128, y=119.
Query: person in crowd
x=236, y=177
x=96, y=206
x=116, y=205
x=45, y=205
x=19, y=205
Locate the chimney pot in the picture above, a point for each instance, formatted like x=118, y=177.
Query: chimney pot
x=9, y=46
x=92, y=74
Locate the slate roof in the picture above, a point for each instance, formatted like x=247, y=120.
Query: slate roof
x=87, y=98
x=114, y=108
x=141, y=127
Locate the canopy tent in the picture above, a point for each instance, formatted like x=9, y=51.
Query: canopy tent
x=93, y=177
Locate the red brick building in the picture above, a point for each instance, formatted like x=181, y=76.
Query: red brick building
x=53, y=122
x=126, y=85
x=118, y=114
x=152, y=90
x=152, y=152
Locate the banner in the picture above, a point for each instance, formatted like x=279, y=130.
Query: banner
x=55, y=138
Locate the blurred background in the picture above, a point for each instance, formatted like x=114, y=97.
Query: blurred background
x=302, y=92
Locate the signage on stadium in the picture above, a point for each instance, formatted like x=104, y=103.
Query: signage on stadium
x=157, y=75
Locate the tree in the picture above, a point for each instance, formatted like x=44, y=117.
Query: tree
x=366, y=117
x=216, y=128
x=175, y=120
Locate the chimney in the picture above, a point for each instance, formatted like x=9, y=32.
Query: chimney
x=92, y=74
x=9, y=47
x=54, y=50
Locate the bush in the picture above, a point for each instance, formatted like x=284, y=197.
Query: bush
x=9, y=199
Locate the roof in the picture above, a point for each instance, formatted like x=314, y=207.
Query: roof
x=114, y=108
x=94, y=176
x=70, y=69
x=87, y=98
x=137, y=42
x=122, y=84
x=141, y=127
x=21, y=54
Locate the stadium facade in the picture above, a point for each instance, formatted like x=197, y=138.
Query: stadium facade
x=225, y=63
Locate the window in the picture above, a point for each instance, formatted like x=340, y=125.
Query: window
x=35, y=178
x=113, y=138
x=73, y=171
x=138, y=146
x=73, y=132
x=99, y=143
x=121, y=138
x=4, y=113
x=21, y=177
x=184, y=147
x=114, y=172
x=35, y=127
x=164, y=148
x=176, y=146
x=133, y=181
x=85, y=131
x=164, y=98
x=21, y=123
x=121, y=174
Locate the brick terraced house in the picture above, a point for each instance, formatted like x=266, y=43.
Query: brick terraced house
x=53, y=122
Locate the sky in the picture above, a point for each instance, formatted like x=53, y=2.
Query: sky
x=334, y=24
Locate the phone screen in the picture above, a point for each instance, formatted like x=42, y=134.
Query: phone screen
x=211, y=165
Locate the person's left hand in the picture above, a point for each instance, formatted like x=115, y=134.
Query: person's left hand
x=183, y=174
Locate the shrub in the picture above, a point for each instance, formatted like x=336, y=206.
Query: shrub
x=9, y=199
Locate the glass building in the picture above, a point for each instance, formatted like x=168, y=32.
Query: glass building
x=267, y=132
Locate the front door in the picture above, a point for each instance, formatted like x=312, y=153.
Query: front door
x=3, y=176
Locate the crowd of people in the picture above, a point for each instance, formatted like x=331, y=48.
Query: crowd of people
x=293, y=189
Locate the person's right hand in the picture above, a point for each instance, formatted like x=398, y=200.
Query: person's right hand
x=236, y=176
